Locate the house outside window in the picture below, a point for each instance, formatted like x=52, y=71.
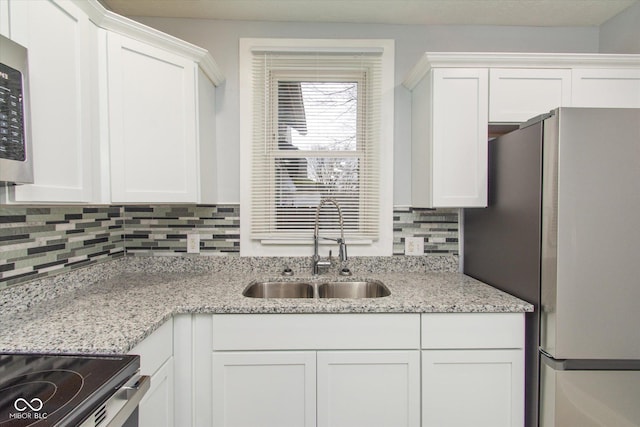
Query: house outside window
x=316, y=122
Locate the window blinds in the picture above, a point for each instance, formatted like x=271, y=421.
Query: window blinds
x=316, y=133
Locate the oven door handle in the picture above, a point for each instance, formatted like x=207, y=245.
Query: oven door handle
x=132, y=392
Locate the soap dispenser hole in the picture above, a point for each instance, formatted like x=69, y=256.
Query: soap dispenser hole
x=287, y=272
x=345, y=272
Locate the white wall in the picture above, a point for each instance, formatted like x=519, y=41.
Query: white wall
x=221, y=39
x=621, y=34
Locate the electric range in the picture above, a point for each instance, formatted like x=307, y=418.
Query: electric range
x=69, y=390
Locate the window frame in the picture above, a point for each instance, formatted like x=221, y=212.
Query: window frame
x=383, y=245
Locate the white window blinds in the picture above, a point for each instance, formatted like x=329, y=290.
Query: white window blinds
x=316, y=133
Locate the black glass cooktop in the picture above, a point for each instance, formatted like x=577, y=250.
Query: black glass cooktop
x=58, y=390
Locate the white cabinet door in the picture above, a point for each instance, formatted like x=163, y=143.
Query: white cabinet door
x=156, y=407
x=460, y=120
x=518, y=94
x=254, y=389
x=368, y=388
x=4, y=18
x=449, y=138
x=480, y=388
x=156, y=360
x=152, y=123
x=606, y=88
x=14, y=21
x=59, y=44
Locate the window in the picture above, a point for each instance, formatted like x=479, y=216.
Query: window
x=312, y=126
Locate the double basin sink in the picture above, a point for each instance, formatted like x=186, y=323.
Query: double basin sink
x=320, y=289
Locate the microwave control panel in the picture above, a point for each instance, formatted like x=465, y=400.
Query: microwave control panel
x=12, y=138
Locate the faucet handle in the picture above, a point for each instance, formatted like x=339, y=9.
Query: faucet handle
x=342, y=247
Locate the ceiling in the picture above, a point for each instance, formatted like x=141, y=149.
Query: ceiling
x=421, y=12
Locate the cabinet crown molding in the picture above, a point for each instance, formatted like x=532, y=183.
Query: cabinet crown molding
x=111, y=21
x=431, y=60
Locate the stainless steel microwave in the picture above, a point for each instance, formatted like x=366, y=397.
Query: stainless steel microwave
x=16, y=163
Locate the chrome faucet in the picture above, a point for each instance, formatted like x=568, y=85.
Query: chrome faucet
x=342, y=245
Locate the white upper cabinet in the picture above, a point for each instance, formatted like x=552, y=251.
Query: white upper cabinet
x=458, y=152
x=58, y=39
x=4, y=18
x=152, y=123
x=606, y=87
x=157, y=115
x=13, y=20
x=120, y=112
x=518, y=94
x=449, y=116
x=456, y=95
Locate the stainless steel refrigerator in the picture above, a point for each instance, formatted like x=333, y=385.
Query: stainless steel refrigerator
x=562, y=231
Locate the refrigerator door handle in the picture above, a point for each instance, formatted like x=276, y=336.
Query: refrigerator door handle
x=589, y=364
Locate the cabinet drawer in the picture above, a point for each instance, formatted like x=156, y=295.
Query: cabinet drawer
x=315, y=331
x=156, y=349
x=472, y=330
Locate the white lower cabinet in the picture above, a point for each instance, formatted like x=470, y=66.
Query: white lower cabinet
x=316, y=369
x=341, y=388
x=473, y=370
x=264, y=389
x=479, y=388
x=368, y=388
x=156, y=408
x=373, y=370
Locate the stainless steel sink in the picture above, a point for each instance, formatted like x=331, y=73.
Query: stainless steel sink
x=279, y=290
x=368, y=289
x=313, y=289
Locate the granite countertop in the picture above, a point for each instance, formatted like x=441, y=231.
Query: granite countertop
x=114, y=307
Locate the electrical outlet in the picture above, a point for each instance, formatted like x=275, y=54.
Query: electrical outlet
x=414, y=246
x=193, y=243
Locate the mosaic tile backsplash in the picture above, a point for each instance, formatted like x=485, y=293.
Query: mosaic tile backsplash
x=38, y=241
x=163, y=229
x=438, y=227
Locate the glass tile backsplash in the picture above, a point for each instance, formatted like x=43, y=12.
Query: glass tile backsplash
x=163, y=229
x=37, y=241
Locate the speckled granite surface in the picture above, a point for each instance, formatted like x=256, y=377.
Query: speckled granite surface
x=110, y=308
